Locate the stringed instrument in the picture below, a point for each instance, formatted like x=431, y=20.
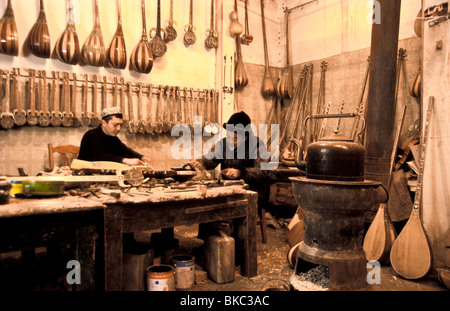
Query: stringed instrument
x=95, y=120
x=240, y=76
x=268, y=89
x=44, y=118
x=285, y=88
x=131, y=124
x=56, y=118
x=7, y=117
x=141, y=59
x=212, y=39
x=117, y=50
x=9, y=41
x=411, y=254
x=246, y=38
x=39, y=36
x=85, y=120
x=189, y=35
x=32, y=117
x=67, y=47
x=157, y=43
x=93, y=51
x=140, y=127
x=67, y=120
x=122, y=103
x=149, y=128
x=171, y=33
x=76, y=120
x=235, y=27
x=20, y=118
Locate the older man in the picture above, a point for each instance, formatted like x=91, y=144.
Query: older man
x=102, y=143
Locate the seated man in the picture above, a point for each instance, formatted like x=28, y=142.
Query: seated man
x=239, y=155
x=102, y=143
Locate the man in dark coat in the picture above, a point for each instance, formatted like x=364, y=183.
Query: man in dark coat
x=239, y=155
x=102, y=143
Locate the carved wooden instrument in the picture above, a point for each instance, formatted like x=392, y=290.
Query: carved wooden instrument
x=32, y=117
x=67, y=46
x=212, y=41
x=381, y=234
x=410, y=254
x=85, y=119
x=39, y=36
x=140, y=124
x=171, y=33
x=159, y=112
x=157, y=43
x=189, y=36
x=7, y=118
x=95, y=120
x=44, y=118
x=117, y=51
x=149, y=128
x=93, y=51
x=76, y=120
x=246, y=37
x=9, y=41
x=131, y=123
x=235, y=27
x=268, y=88
x=285, y=87
x=56, y=115
x=122, y=103
x=141, y=59
x=20, y=118
x=67, y=120
x=240, y=76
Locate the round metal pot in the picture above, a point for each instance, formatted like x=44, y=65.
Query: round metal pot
x=335, y=157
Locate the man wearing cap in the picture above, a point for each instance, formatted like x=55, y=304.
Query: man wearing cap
x=102, y=143
x=239, y=155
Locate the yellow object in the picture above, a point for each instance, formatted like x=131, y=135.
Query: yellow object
x=16, y=187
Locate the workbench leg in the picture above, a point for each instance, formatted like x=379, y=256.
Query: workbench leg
x=113, y=248
x=246, y=239
x=85, y=255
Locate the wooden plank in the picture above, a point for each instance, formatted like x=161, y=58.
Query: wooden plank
x=381, y=108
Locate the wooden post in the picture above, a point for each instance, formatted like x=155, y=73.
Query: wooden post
x=380, y=118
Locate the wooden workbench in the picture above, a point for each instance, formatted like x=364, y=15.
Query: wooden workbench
x=139, y=212
x=26, y=223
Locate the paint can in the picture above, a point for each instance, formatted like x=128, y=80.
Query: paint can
x=184, y=271
x=160, y=278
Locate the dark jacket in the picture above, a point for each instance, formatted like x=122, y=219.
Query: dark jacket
x=249, y=164
x=97, y=146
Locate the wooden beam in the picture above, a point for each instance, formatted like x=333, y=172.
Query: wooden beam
x=381, y=108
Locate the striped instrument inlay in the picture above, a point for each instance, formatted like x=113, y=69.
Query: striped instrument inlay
x=93, y=52
x=9, y=42
x=39, y=36
x=67, y=46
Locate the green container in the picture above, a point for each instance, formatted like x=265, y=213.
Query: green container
x=43, y=188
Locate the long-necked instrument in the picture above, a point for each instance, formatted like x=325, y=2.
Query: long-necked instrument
x=141, y=59
x=67, y=46
x=39, y=36
x=189, y=35
x=212, y=40
x=117, y=50
x=157, y=42
x=171, y=33
x=93, y=51
x=9, y=41
x=411, y=255
x=268, y=88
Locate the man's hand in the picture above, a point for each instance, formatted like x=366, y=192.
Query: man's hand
x=231, y=173
x=131, y=161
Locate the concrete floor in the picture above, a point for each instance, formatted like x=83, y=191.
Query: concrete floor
x=274, y=271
